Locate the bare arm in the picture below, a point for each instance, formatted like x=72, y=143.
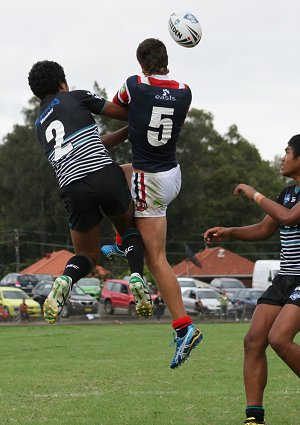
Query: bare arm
x=281, y=214
x=255, y=232
x=111, y=140
x=113, y=110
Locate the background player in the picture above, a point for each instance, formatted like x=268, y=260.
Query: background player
x=157, y=107
x=276, y=319
x=91, y=184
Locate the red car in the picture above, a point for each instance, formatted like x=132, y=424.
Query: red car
x=116, y=294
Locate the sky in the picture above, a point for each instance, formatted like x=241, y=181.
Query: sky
x=245, y=70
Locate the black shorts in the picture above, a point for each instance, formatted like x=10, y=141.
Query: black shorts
x=104, y=192
x=285, y=289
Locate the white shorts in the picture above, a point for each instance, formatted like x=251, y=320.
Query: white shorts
x=153, y=192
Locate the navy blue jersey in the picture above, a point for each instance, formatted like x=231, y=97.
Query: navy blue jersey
x=69, y=135
x=290, y=235
x=158, y=107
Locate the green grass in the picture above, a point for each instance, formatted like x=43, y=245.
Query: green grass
x=119, y=375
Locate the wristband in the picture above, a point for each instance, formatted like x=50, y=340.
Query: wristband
x=259, y=198
x=255, y=196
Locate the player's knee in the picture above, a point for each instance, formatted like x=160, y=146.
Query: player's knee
x=252, y=342
x=278, y=343
x=92, y=256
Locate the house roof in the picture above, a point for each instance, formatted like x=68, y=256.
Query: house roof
x=216, y=262
x=54, y=263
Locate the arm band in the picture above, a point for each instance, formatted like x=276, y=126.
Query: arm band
x=258, y=197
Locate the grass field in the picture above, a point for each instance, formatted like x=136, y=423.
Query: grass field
x=119, y=375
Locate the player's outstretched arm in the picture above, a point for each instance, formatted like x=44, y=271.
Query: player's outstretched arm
x=113, y=110
x=217, y=234
x=111, y=140
x=281, y=214
x=254, y=232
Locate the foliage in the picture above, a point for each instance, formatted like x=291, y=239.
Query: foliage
x=212, y=165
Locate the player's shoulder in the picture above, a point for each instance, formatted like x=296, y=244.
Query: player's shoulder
x=286, y=192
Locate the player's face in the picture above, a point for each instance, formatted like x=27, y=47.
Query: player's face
x=290, y=165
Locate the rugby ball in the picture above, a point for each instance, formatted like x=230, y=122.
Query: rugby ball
x=185, y=29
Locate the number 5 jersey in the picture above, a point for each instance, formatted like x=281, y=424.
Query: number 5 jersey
x=157, y=109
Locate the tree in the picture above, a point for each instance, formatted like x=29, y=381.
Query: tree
x=212, y=166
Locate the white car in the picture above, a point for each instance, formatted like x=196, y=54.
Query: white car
x=191, y=282
x=201, y=300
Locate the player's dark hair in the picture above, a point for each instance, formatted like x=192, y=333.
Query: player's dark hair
x=45, y=78
x=152, y=56
x=294, y=143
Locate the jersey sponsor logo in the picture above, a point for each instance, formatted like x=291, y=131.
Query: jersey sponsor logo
x=48, y=111
x=166, y=95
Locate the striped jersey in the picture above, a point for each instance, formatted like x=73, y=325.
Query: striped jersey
x=157, y=107
x=69, y=135
x=290, y=235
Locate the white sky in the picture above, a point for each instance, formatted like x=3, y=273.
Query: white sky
x=245, y=71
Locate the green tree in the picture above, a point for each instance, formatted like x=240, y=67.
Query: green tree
x=212, y=165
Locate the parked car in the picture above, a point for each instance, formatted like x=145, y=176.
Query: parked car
x=228, y=284
x=201, y=300
x=116, y=294
x=11, y=298
x=79, y=303
x=41, y=290
x=191, y=282
x=41, y=277
x=26, y=282
x=246, y=296
x=91, y=286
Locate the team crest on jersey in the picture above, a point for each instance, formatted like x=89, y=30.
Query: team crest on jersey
x=141, y=205
x=295, y=294
x=286, y=198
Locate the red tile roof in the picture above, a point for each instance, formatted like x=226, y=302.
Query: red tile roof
x=216, y=262
x=54, y=263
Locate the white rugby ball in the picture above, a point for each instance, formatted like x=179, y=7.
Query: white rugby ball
x=185, y=29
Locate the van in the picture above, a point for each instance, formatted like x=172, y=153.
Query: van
x=264, y=272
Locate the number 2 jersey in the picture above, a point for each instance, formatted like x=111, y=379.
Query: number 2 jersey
x=158, y=107
x=69, y=134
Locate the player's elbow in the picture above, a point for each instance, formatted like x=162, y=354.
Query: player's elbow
x=289, y=221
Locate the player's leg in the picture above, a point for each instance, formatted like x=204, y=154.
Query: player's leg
x=86, y=246
x=115, y=249
x=84, y=221
x=133, y=247
x=282, y=334
x=119, y=209
x=153, y=231
x=255, y=360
